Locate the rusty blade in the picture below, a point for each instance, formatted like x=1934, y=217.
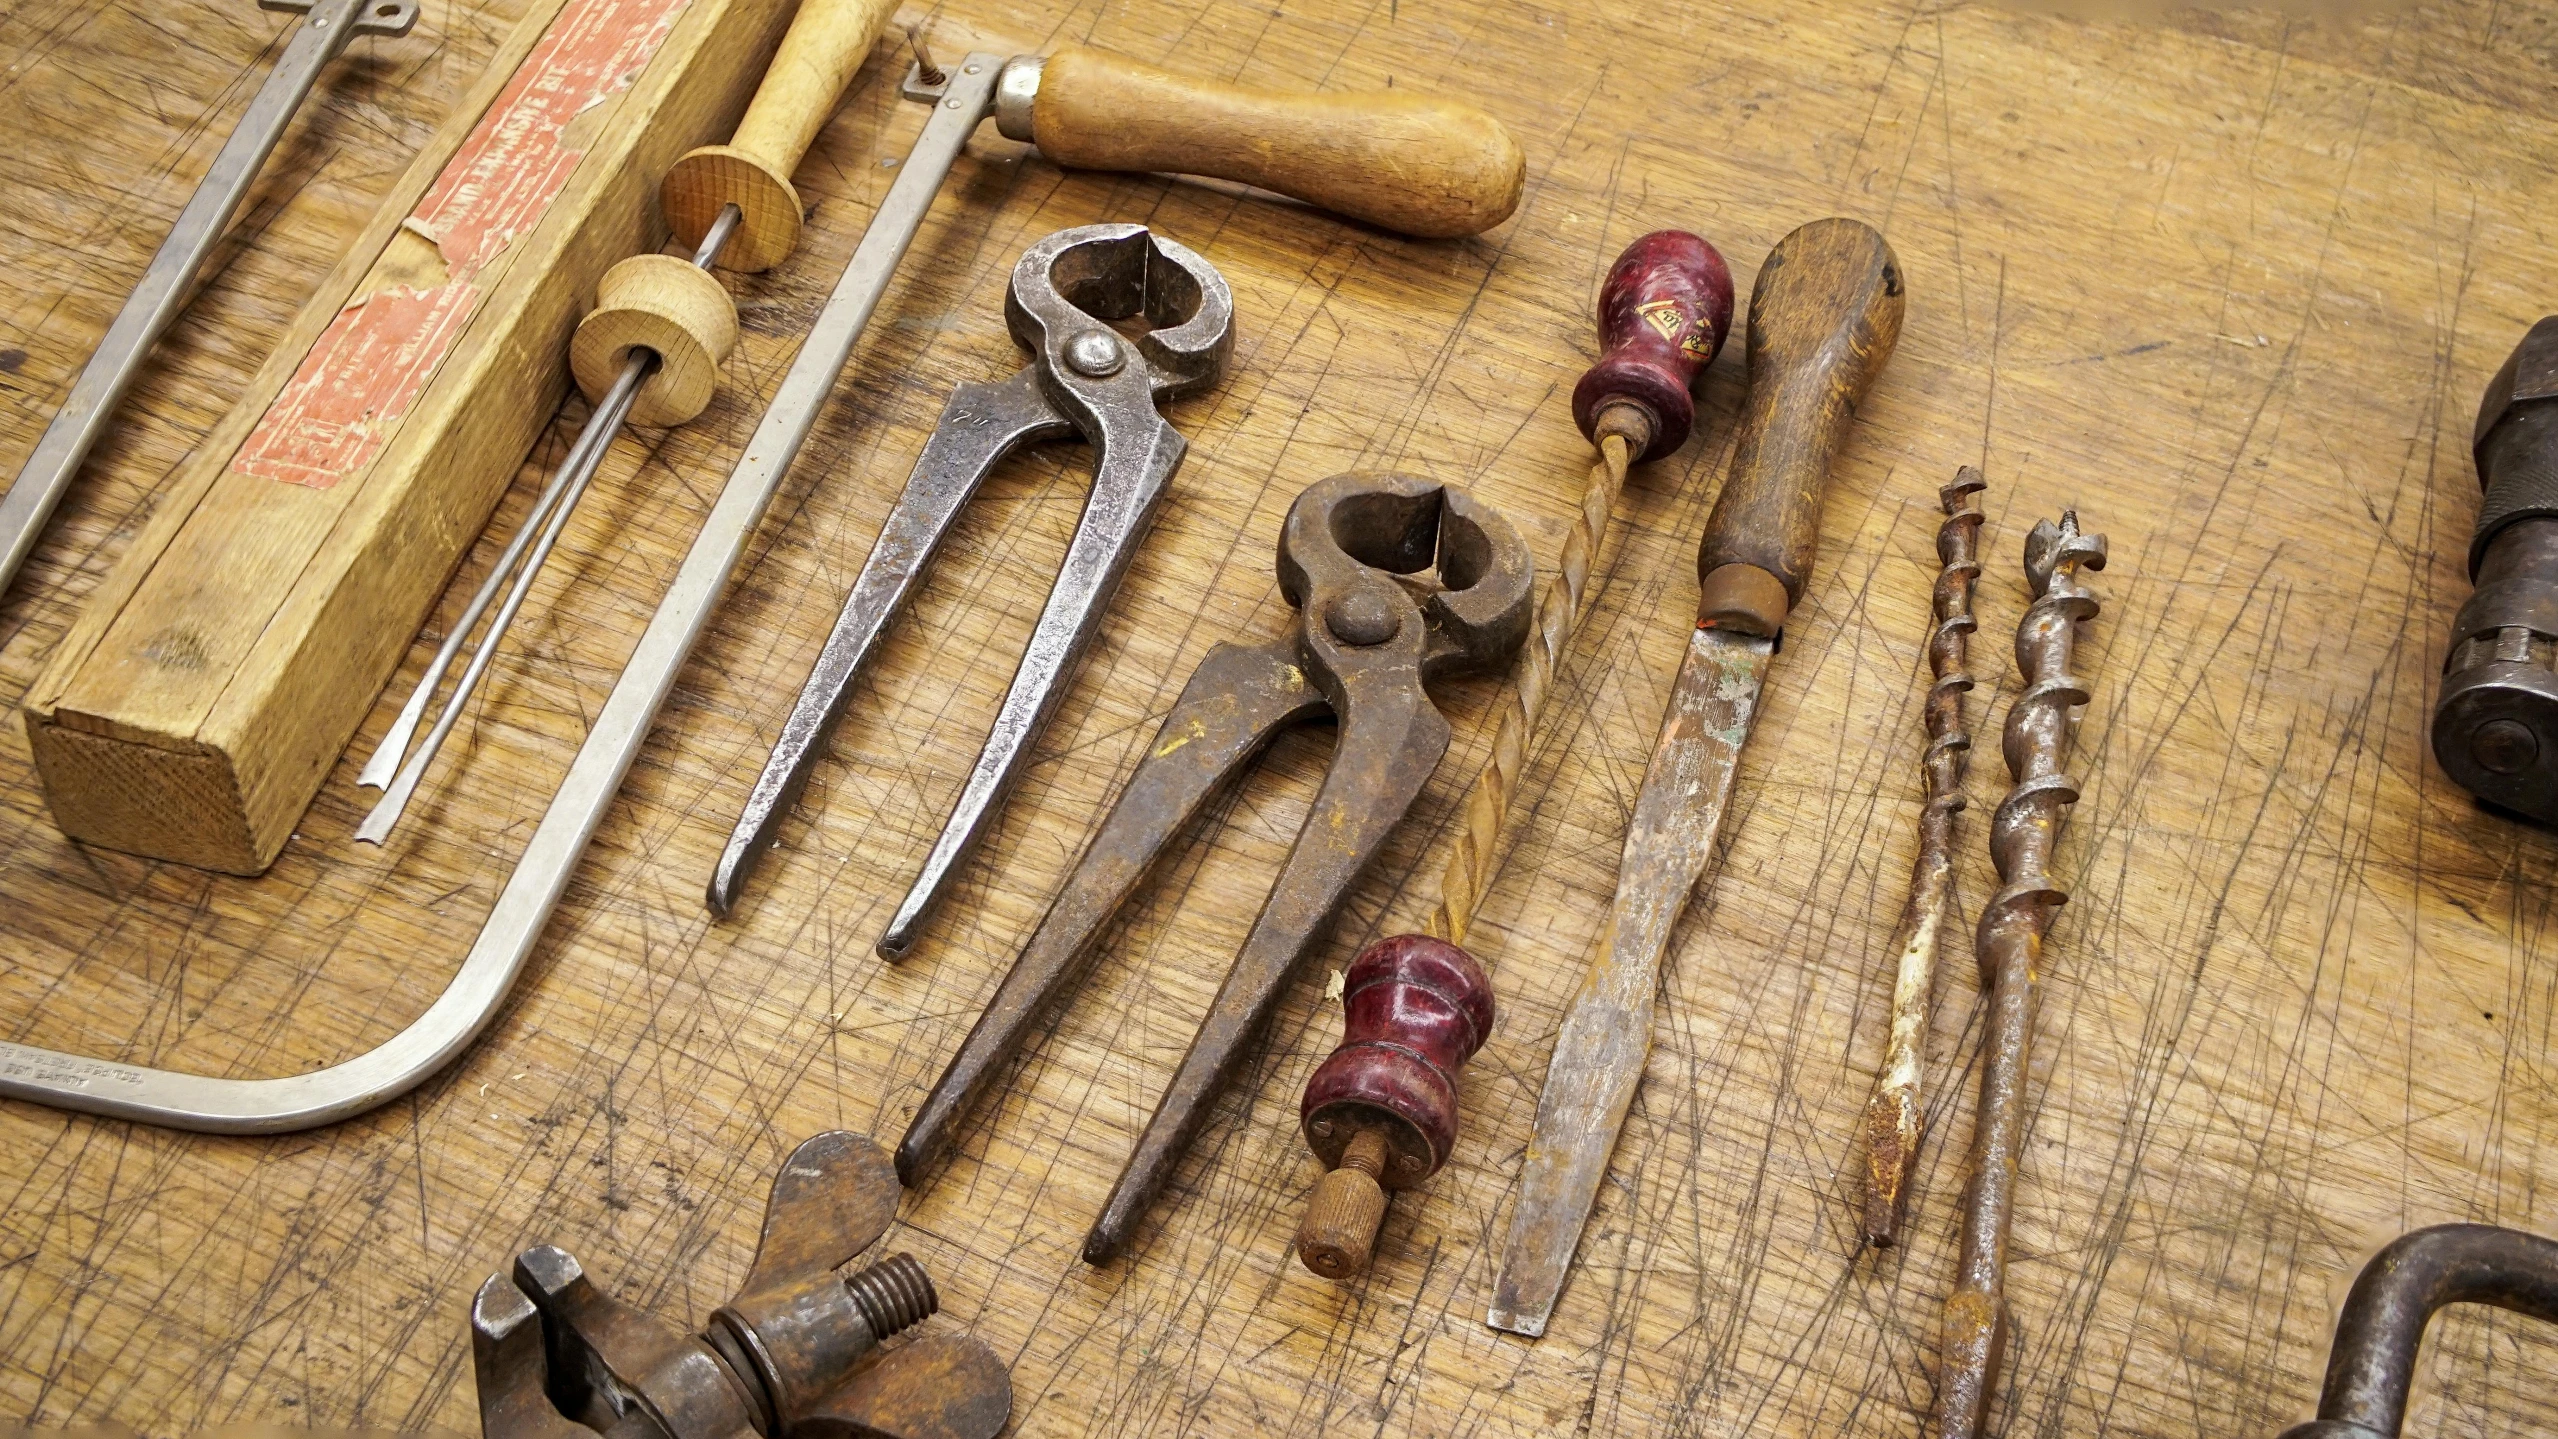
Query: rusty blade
x=1598, y=1057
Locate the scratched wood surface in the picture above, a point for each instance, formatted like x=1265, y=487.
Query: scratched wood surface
x=2228, y=282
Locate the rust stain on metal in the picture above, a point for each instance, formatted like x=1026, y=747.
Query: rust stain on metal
x=1599, y=1055
x=2023, y=832
x=1892, y=1116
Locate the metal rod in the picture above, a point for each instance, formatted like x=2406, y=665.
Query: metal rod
x=593, y=440
x=291, y=1102
x=2372, y=1364
x=585, y=460
x=394, y=745
x=162, y=291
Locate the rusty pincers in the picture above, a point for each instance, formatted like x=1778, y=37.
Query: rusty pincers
x=1362, y=646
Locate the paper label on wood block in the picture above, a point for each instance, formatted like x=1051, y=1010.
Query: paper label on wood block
x=355, y=386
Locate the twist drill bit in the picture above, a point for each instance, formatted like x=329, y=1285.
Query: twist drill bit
x=1892, y=1115
x=2023, y=832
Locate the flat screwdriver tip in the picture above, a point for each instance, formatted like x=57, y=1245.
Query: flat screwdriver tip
x=1530, y=1326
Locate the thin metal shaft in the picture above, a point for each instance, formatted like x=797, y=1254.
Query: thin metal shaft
x=394, y=745
x=162, y=291
x=548, y=517
x=1892, y=1115
x=1471, y=859
x=586, y=459
x=2023, y=833
x=593, y=440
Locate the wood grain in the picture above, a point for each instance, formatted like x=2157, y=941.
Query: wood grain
x=827, y=42
x=1824, y=316
x=1411, y=163
x=2305, y=989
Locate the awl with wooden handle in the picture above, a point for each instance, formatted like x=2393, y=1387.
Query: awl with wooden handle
x=1824, y=315
x=1412, y=187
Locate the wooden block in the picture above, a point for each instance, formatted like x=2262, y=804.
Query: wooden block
x=195, y=707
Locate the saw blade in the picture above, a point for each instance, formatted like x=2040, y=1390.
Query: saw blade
x=1599, y=1055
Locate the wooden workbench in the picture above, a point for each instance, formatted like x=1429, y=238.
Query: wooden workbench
x=2230, y=284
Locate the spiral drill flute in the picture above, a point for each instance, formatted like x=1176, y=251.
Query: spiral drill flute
x=2023, y=832
x=1892, y=1115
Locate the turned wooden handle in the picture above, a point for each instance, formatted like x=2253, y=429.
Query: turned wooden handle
x=1381, y=1112
x=827, y=43
x=1663, y=315
x=1434, y=168
x=1824, y=315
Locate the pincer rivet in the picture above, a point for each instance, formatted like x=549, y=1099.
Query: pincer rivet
x=1095, y=353
x=1362, y=617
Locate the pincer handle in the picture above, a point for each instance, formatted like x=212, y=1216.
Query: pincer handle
x=1433, y=168
x=826, y=44
x=1824, y=315
x=1663, y=315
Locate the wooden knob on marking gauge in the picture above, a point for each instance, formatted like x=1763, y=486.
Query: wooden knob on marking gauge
x=1663, y=315
x=1381, y=1112
x=827, y=43
x=660, y=303
x=1433, y=168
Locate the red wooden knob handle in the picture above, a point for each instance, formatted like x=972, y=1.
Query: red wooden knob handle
x=1663, y=314
x=1415, y=1009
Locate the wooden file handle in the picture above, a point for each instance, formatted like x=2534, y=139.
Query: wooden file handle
x=1824, y=315
x=828, y=41
x=1433, y=168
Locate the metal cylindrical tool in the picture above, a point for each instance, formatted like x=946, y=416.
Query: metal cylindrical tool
x=650, y=350
x=2495, y=729
x=1892, y=1115
x=1381, y=1112
x=162, y=291
x=2041, y=724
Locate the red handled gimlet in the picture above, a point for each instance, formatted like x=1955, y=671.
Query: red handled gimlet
x=1663, y=314
x=1382, y=1111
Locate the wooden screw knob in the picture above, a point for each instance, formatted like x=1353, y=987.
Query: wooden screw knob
x=1346, y=1211
x=660, y=303
x=1382, y=1110
x=768, y=210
